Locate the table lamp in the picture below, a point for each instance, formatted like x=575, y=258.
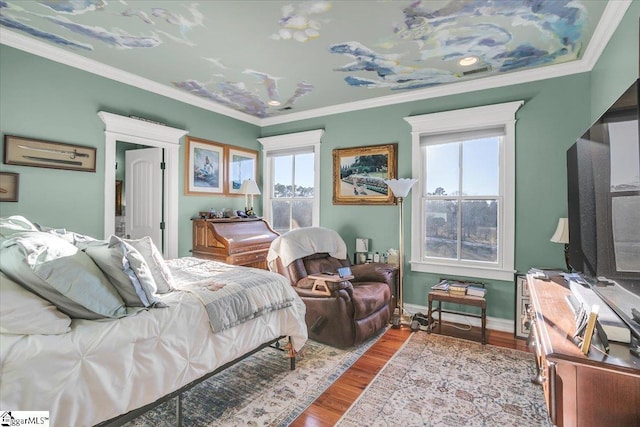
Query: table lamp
x=562, y=236
x=249, y=188
x=362, y=248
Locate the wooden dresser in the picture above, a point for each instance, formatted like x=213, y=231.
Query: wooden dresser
x=593, y=390
x=233, y=241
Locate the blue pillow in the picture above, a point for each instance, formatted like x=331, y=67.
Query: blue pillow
x=127, y=270
x=60, y=273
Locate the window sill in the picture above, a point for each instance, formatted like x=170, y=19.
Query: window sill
x=464, y=270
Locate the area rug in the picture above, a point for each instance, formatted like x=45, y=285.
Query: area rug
x=261, y=390
x=435, y=380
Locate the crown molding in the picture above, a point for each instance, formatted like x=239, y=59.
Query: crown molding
x=53, y=53
x=611, y=17
x=609, y=21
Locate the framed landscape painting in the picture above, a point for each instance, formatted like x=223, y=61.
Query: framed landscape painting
x=242, y=164
x=359, y=174
x=204, y=167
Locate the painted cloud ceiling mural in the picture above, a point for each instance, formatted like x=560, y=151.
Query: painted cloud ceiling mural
x=268, y=58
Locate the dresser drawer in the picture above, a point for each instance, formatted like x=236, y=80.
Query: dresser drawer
x=248, y=258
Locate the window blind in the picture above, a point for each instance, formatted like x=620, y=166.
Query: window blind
x=445, y=138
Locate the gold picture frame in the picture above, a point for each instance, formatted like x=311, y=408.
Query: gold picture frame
x=9, y=184
x=359, y=174
x=48, y=154
x=204, y=167
x=242, y=163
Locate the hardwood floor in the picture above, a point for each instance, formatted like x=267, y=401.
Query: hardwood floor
x=334, y=402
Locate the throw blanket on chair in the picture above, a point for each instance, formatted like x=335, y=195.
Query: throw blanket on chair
x=231, y=294
x=303, y=242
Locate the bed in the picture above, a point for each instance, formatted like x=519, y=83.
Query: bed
x=106, y=370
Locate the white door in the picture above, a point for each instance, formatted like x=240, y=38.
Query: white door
x=143, y=194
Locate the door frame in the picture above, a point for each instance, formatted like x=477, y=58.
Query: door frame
x=121, y=128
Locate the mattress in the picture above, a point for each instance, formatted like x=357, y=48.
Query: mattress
x=105, y=368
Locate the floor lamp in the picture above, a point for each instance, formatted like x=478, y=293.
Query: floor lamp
x=400, y=189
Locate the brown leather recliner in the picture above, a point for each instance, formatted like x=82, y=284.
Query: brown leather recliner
x=355, y=309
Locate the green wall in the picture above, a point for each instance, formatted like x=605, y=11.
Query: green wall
x=43, y=99
x=46, y=100
x=556, y=112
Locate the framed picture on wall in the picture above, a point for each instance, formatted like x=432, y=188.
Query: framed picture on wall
x=9, y=186
x=204, y=167
x=47, y=154
x=242, y=164
x=359, y=174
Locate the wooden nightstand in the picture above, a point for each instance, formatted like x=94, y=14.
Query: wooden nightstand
x=243, y=241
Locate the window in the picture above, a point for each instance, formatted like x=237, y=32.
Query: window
x=291, y=180
x=625, y=196
x=463, y=206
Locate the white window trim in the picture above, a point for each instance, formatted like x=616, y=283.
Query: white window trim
x=291, y=141
x=466, y=120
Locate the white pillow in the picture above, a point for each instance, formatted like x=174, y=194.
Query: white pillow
x=79, y=240
x=23, y=312
x=159, y=269
x=15, y=224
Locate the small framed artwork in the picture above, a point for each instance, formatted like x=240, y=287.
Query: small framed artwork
x=359, y=174
x=9, y=186
x=242, y=164
x=46, y=154
x=204, y=167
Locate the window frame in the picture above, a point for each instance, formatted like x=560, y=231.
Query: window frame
x=293, y=142
x=463, y=120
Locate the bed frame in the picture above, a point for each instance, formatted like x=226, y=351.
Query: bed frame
x=124, y=418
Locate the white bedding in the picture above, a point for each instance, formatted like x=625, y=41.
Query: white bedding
x=105, y=368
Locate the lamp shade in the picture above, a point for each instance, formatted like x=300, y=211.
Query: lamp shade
x=362, y=244
x=249, y=186
x=400, y=187
x=562, y=232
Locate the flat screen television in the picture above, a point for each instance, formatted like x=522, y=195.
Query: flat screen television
x=603, y=175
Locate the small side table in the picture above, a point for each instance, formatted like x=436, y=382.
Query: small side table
x=441, y=296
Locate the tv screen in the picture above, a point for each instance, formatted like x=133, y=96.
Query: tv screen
x=603, y=173
x=603, y=176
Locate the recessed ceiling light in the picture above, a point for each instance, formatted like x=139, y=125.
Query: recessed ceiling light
x=274, y=103
x=468, y=60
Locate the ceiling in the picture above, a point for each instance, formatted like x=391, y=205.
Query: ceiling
x=268, y=62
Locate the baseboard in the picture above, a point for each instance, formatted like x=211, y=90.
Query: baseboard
x=493, y=323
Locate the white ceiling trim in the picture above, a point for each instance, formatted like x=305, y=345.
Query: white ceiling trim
x=37, y=47
x=611, y=17
x=467, y=86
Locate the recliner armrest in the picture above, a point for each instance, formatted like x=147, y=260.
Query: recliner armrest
x=344, y=293
x=373, y=272
x=307, y=283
